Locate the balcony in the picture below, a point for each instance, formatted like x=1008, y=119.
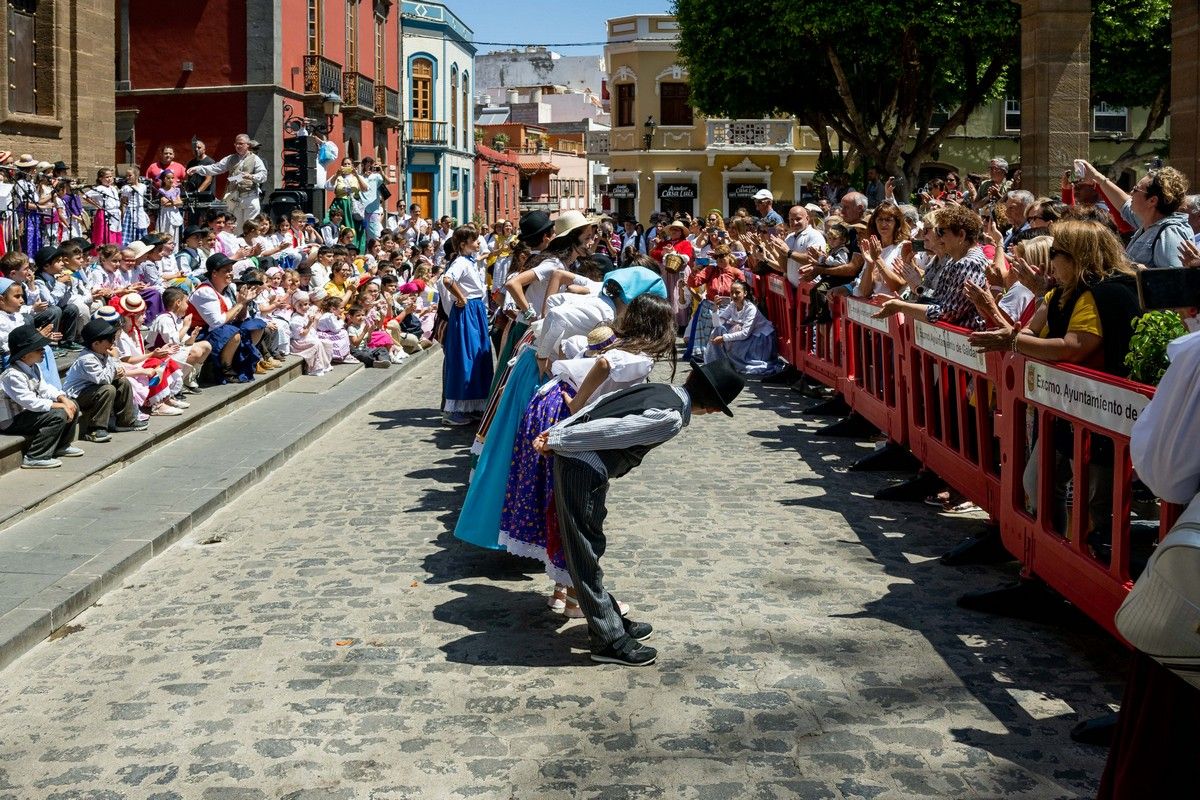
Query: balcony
x=358, y=95
x=597, y=144
x=322, y=76
x=426, y=132
x=387, y=106
x=746, y=136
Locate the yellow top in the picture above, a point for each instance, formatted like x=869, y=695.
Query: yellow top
x=1085, y=318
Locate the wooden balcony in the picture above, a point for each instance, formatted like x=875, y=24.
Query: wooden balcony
x=322, y=76
x=358, y=95
x=426, y=132
x=387, y=106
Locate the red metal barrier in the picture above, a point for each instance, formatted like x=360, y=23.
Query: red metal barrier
x=781, y=303
x=761, y=295
x=1075, y=424
x=953, y=424
x=875, y=382
x=819, y=347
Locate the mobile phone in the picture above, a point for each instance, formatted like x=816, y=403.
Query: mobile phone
x=918, y=245
x=1177, y=287
x=1078, y=163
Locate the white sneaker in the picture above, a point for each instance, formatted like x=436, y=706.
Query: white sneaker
x=164, y=409
x=178, y=403
x=70, y=451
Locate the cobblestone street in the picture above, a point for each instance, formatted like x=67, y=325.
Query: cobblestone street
x=303, y=644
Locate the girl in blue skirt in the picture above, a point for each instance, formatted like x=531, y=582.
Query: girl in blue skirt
x=467, y=367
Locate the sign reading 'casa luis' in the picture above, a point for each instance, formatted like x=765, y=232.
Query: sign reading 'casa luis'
x=677, y=191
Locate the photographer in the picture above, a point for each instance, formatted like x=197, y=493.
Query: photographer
x=373, y=196
x=1154, y=207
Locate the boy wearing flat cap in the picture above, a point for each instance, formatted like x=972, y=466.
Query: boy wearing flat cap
x=605, y=440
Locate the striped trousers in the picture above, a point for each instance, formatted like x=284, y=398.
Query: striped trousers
x=579, y=496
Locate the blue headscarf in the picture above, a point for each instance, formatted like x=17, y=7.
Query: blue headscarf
x=633, y=282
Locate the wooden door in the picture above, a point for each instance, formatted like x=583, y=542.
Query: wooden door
x=421, y=188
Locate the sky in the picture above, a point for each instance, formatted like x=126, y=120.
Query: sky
x=547, y=21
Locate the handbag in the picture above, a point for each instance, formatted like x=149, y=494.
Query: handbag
x=1161, y=614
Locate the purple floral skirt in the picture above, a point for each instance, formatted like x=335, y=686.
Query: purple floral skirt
x=528, y=522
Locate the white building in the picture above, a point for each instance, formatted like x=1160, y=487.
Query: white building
x=439, y=140
x=531, y=68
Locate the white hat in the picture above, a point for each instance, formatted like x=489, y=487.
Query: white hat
x=138, y=249
x=764, y=194
x=571, y=221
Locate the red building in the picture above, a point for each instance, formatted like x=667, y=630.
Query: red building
x=212, y=69
x=497, y=182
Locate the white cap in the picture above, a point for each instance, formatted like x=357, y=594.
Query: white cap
x=764, y=194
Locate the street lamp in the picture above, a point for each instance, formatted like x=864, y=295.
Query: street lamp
x=648, y=137
x=331, y=104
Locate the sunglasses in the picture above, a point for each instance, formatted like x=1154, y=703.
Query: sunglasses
x=1035, y=217
x=1055, y=252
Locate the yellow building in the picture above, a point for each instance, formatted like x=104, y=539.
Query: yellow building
x=663, y=156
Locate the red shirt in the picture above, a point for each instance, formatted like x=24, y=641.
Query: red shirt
x=717, y=280
x=154, y=173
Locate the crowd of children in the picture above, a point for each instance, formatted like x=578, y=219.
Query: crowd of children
x=153, y=320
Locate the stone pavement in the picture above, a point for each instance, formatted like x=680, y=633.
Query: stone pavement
x=334, y=641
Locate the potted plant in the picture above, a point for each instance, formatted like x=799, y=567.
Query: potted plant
x=1152, y=332
x=500, y=141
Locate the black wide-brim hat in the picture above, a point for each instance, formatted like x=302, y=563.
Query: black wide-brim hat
x=23, y=340
x=534, y=225
x=723, y=381
x=96, y=330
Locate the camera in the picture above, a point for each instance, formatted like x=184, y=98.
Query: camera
x=1176, y=287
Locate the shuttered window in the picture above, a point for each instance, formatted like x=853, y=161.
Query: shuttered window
x=675, y=108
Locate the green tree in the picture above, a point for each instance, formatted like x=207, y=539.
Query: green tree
x=875, y=73
x=1131, y=64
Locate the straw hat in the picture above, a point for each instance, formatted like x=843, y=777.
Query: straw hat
x=26, y=161
x=131, y=304
x=572, y=221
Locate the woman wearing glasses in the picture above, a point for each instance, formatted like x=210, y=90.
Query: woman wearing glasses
x=1086, y=319
x=1154, y=208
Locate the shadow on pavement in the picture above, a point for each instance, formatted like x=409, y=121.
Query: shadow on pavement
x=511, y=629
x=991, y=655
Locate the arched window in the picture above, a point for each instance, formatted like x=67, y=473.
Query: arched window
x=454, y=106
x=422, y=82
x=466, y=111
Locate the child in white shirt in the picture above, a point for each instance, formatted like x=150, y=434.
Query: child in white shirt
x=174, y=327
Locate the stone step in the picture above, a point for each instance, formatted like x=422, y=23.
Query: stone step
x=59, y=560
x=23, y=491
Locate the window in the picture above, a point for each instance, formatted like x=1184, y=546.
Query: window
x=1012, y=115
x=380, y=56
x=422, y=80
x=453, y=106
x=352, y=35
x=315, y=29
x=675, y=109
x=938, y=118
x=624, y=105
x=466, y=111
x=1110, y=119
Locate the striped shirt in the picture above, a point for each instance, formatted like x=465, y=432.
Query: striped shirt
x=582, y=440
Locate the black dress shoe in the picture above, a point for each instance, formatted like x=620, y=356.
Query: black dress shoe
x=626, y=652
x=638, y=631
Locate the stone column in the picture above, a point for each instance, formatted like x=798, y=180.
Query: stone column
x=1055, y=85
x=1185, y=88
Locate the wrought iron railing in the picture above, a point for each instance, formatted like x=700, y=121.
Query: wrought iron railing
x=322, y=76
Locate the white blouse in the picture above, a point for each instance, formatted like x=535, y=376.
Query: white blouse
x=625, y=370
